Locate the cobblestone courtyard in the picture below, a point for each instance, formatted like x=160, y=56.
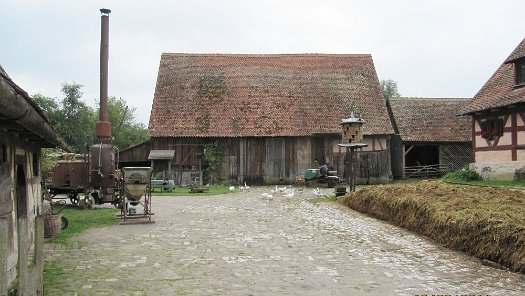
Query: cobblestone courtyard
x=243, y=244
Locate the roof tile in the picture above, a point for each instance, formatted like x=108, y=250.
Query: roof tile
x=219, y=95
x=431, y=119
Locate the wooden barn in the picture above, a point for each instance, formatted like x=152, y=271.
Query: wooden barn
x=430, y=138
x=498, y=120
x=272, y=116
x=24, y=129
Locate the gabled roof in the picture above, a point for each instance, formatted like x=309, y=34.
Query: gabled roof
x=499, y=91
x=237, y=95
x=22, y=117
x=431, y=119
x=518, y=53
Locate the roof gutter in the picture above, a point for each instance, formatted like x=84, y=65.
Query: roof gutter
x=16, y=107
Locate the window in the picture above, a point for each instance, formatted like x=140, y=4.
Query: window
x=492, y=128
x=520, y=72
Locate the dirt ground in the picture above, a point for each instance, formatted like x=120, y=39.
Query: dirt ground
x=244, y=244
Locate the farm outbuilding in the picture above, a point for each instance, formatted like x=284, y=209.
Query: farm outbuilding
x=24, y=130
x=430, y=138
x=272, y=116
x=498, y=120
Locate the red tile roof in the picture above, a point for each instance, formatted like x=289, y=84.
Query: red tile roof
x=500, y=91
x=226, y=95
x=431, y=119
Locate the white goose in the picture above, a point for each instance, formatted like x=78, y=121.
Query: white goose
x=290, y=194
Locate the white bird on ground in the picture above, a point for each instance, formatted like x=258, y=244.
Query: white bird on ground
x=281, y=189
x=274, y=190
x=290, y=194
x=232, y=188
x=245, y=187
x=317, y=192
x=267, y=196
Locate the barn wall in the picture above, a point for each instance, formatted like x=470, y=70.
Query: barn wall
x=135, y=154
x=270, y=160
x=397, y=152
x=21, y=223
x=458, y=155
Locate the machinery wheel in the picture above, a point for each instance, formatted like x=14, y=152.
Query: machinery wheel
x=87, y=202
x=64, y=222
x=73, y=197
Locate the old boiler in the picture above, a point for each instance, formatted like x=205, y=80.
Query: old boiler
x=96, y=173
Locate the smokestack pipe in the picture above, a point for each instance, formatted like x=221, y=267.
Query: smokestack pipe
x=103, y=126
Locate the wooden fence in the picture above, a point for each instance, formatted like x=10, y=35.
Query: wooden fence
x=427, y=171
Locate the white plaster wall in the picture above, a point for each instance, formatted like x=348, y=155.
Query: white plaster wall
x=500, y=171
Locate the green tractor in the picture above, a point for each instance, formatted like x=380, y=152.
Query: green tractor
x=321, y=175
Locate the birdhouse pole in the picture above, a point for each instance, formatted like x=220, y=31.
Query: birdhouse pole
x=352, y=135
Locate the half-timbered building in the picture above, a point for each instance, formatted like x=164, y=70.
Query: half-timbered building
x=24, y=129
x=498, y=119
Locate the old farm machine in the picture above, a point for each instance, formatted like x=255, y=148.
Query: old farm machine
x=95, y=174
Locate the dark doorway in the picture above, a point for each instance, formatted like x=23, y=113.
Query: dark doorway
x=422, y=155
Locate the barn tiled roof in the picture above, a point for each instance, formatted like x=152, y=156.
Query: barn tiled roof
x=235, y=95
x=500, y=91
x=431, y=119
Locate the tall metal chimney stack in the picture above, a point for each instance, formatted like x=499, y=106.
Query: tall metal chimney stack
x=103, y=126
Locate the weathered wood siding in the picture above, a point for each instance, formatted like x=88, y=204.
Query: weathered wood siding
x=135, y=154
x=272, y=160
x=373, y=167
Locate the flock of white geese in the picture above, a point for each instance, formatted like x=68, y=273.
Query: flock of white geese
x=285, y=191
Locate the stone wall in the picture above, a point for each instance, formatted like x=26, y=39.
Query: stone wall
x=499, y=171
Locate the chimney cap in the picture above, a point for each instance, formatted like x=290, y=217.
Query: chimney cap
x=105, y=11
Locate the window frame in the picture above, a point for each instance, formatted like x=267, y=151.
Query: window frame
x=519, y=72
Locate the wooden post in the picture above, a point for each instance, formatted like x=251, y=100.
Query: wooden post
x=3, y=256
x=23, y=248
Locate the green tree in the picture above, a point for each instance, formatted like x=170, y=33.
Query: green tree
x=50, y=107
x=126, y=130
x=389, y=88
x=213, y=153
x=77, y=122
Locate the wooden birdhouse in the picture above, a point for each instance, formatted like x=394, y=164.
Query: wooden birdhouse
x=352, y=129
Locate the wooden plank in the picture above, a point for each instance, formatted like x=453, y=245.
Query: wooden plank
x=4, y=241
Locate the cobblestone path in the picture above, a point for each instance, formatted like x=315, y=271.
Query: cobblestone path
x=242, y=244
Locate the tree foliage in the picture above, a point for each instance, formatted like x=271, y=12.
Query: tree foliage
x=389, y=88
x=75, y=121
x=126, y=130
x=213, y=155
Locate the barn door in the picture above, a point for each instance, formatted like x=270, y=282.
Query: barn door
x=275, y=161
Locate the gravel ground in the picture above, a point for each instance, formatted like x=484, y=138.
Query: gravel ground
x=245, y=244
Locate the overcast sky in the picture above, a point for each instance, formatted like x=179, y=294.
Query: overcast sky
x=432, y=48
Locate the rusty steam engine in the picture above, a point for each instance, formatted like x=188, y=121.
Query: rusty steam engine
x=96, y=173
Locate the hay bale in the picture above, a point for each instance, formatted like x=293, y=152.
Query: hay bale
x=484, y=222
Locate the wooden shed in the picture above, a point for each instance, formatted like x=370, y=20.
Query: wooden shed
x=24, y=130
x=274, y=116
x=430, y=138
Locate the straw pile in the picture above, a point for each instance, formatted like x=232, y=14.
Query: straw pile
x=488, y=223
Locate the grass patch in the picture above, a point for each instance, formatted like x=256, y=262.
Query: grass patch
x=212, y=190
x=468, y=176
x=80, y=220
x=323, y=199
x=493, y=183
x=484, y=222
x=54, y=275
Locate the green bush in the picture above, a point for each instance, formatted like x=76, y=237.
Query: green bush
x=465, y=174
